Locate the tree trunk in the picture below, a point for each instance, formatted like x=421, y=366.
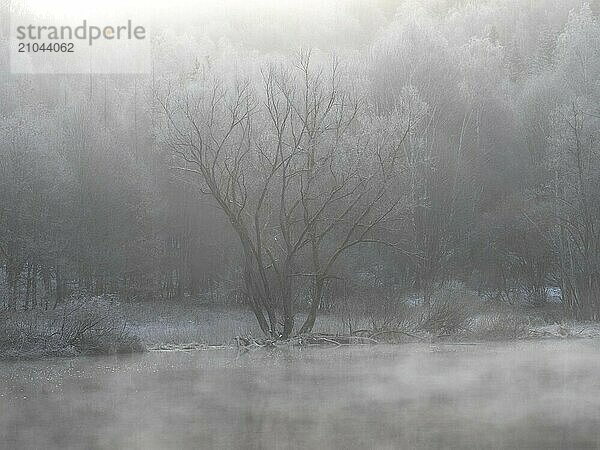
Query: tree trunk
x=257, y=294
x=309, y=323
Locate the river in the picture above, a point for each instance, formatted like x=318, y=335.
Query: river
x=525, y=394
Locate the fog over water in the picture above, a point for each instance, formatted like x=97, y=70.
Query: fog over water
x=542, y=394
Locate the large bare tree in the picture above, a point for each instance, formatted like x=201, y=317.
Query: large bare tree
x=301, y=167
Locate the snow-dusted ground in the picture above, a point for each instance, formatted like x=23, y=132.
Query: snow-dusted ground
x=567, y=330
x=193, y=326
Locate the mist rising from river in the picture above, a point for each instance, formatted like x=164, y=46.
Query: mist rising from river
x=518, y=395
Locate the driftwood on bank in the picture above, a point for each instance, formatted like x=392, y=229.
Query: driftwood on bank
x=360, y=337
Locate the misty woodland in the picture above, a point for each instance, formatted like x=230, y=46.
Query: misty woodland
x=300, y=224
x=392, y=163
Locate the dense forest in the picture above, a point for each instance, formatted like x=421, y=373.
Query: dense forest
x=411, y=144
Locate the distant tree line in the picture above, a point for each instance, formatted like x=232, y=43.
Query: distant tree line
x=462, y=144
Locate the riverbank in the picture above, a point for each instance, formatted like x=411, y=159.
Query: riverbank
x=104, y=325
x=79, y=326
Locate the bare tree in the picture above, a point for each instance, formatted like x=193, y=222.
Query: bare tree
x=292, y=167
x=577, y=211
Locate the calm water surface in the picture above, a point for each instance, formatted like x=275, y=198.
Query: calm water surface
x=542, y=394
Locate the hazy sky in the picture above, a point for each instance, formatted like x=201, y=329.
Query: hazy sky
x=260, y=24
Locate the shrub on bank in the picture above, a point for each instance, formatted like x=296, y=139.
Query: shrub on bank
x=80, y=326
x=499, y=326
x=455, y=312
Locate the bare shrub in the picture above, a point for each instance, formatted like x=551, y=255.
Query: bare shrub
x=78, y=326
x=499, y=326
x=445, y=318
x=451, y=307
x=94, y=326
x=375, y=309
x=386, y=311
x=352, y=313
